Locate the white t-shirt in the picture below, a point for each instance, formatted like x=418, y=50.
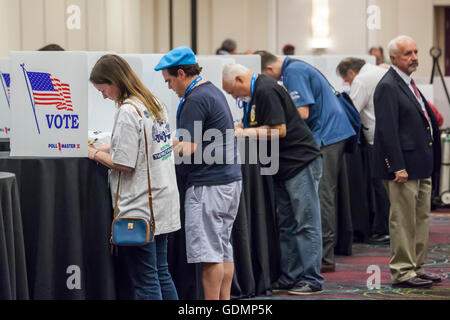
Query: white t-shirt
x=128, y=149
x=362, y=92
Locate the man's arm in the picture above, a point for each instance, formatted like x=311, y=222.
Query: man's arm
x=183, y=148
x=401, y=176
x=304, y=112
x=359, y=95
x=262, y=132
x=387, y=126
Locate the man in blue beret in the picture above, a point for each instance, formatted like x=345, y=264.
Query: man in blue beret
x=210, y=170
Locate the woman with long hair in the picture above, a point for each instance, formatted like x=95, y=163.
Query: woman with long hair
x=138, y=108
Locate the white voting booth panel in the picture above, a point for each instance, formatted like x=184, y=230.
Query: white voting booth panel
x=327, y=64
x=5, y=97
x=49, y=104
x=212, y=71
x=144, y=66
x=252, y=62
x=100, y=111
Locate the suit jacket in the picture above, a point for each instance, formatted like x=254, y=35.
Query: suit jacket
x=402, y=132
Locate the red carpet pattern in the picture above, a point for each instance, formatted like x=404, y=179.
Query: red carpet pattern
x=350, y=281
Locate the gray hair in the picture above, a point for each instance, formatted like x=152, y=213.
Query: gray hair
x=231, y=71
x=392, y=46
x=347, y=64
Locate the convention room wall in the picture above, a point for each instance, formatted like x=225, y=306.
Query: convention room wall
x=143, y=25
x=118, y=25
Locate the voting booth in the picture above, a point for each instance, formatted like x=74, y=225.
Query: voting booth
x=49, y=108
x=212, y=70
x=49, y=104
x=5, y=97
x=100, y=111
x=144, y=66
x=55, y=107
x=252, y=62
x=328, y=63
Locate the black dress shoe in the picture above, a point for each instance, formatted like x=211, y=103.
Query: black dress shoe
x=327, y=267
x=379, y=239
x=278, y=288
x=415, y=282
x=431, y=276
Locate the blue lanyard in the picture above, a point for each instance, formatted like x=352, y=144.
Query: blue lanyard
x=189, y=88
x=247, y=107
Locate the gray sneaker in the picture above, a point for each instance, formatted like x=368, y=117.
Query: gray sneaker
x=303, y=289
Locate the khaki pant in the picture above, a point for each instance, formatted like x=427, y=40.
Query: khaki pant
x=408, y=227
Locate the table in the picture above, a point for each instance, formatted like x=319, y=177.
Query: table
x=13, y=276
x=67, y=211
x=254, y=239
x=66, y=216
x=4, y=144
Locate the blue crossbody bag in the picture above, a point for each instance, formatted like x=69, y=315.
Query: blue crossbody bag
x=134, y=231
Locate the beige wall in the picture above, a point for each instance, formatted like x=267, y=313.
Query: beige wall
x=117, y=25
x=143, y=25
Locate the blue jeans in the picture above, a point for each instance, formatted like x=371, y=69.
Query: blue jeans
x=149, y=270
x=300, y=227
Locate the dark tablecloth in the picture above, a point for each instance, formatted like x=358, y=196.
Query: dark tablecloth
x=66, y=217
x=67, y=213
x=4, y=144
x=13, y=276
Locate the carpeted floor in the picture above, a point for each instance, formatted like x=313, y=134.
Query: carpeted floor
x=350, y=281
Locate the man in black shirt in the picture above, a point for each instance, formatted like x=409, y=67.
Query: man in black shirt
x=271, y=114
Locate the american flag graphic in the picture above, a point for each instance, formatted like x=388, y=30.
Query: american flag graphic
x=7, y=80
x=49, y=91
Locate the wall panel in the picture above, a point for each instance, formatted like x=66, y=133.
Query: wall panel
x=77, y=38
x=55, y=22
x=96, y=25
x=131, y=26
x=147, y=17
x=182, y=23
x=114, y=26
x=10, y=26
x=162, y=38
x=33, y=26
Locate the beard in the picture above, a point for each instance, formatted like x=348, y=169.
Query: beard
x=413, y=67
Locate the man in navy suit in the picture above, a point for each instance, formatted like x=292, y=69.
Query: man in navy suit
x=407, y=151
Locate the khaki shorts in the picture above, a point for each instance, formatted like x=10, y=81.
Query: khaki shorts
x=210, y=214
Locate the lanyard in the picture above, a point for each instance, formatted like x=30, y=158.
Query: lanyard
x=189, y=88
x=247, y=107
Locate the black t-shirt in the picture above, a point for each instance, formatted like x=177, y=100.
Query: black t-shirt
x=271, y=105
x=216, y=161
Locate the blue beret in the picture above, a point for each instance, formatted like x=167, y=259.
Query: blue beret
x=176, y=57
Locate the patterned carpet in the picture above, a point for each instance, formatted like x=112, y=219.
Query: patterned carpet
x=350, y=281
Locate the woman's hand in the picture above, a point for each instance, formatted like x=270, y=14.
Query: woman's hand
x=92, y=151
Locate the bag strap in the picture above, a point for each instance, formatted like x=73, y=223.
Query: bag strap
x=117, y=196
x=150, y=197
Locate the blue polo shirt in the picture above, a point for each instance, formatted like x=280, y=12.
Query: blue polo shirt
x=327, y=120
x=207, y=105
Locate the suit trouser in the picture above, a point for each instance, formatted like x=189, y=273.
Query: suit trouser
x=408, y=227
x=333, y=156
